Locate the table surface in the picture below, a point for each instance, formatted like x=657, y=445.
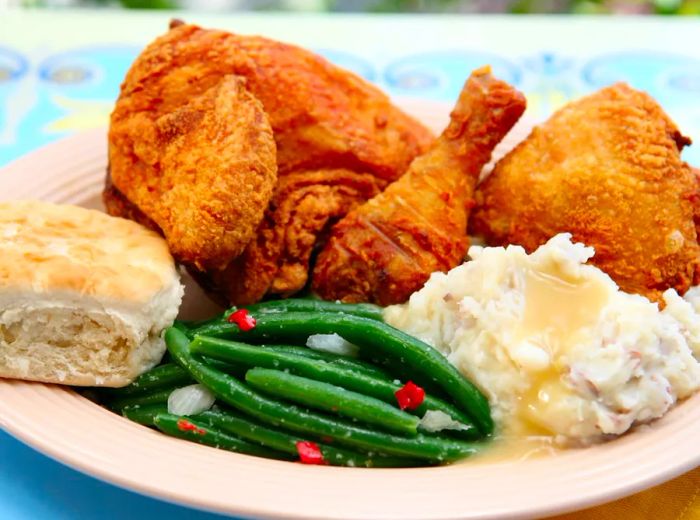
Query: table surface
x=60, y=73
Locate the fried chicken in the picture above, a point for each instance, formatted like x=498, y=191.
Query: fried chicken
x=387, y=248
x=607, y=169
x=203, y=172
x=339, y=141
x=696, y=201
x=306, y=204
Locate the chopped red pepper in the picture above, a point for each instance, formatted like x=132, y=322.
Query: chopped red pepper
x=186, y=426
x=410, y=396
x=309, y=453
x=243, y=319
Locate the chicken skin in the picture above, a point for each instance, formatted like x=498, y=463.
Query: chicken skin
x=607, y=169
x=203, y=173
x=306, y=204
x=696, y=202
x=334, y=133
x=387, y=248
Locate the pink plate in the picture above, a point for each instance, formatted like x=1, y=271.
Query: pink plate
x=71, y=429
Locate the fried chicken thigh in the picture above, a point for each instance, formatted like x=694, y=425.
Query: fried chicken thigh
x=306, y=203
x=338, y=142
x=607, y=169
x=386, y=249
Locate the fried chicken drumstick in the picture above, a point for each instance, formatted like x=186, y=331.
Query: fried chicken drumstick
x=606, y=168
x=339, y=141
x=386, y=249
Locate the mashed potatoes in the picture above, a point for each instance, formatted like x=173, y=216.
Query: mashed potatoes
x=555, y=345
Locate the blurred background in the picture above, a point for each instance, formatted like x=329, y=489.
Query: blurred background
x=62, y=61
x=670, y=7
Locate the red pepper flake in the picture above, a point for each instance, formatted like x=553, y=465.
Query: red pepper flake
x=186, y=426
x=309, y=453
x=410, y=396
x=243, y=319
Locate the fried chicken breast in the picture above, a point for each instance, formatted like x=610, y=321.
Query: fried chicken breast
x=387, y=248
x=606, y=168
x=338, y=141
x=203, y=172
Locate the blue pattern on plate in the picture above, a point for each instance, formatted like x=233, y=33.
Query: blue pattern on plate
x=42, y=99
x=356, y=64
x=672, y=79
x=59, y=95
x=441, y=74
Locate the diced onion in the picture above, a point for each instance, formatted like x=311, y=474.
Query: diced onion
x=332, y=343
x=190, y=400
x=435, y=421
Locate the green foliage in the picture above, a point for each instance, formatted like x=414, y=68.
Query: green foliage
x=411, y=6
x=690, y=8
x=665, y=7
x=148, y=4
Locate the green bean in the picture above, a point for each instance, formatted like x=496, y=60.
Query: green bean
x=243, y=427
x=205, y=434
x=167, y=375
x=181, y=325
x=400, y=372
x=239, y=396
x=330, y=398
x=376, y=338
x=144, y=414
x=364, y=310
x=159, y=396
x=297, y=350
x=253, y=356
x=337, y=360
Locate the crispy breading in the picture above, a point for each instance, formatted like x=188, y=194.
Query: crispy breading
x=324, y=119
x=203, y=171
x=322, y=115
x=607, y=169
x=117, y=204
x=306, y=205
x=696, y=201
x=387, y=248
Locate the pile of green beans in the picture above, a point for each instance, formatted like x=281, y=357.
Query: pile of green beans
x=364, y=310
x=374, y=339
x=271, y=397
x=369, y=384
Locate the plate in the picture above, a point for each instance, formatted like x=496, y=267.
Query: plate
x=73, y=430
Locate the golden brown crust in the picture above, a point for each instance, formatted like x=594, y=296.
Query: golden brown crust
x=606, y=168
x=695, y=200
x=304, y=206
x=387, y=248
x=117, y=205
x=322, y=116
x=324, y=119
x=203, y=172
x=49, y=248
